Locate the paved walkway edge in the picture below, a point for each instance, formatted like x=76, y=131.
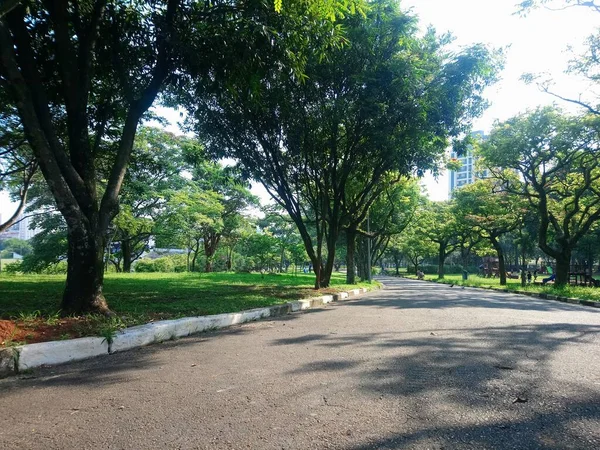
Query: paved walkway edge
x=30, y=356
x=543, y=295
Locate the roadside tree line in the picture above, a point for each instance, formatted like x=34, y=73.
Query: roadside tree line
x=329, y=105
x=542, y=197
x=542, y=194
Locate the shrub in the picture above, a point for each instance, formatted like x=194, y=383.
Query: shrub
x=144, y=265
x=55, y=269
x=49, y=250
x=12, y=268
x=179, y=262
x=171, y=263
x=164, y=264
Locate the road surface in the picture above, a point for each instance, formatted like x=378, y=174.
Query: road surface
x=416, y=366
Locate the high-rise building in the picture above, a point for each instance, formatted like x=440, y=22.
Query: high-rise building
x=467, y=173
x=19, y=230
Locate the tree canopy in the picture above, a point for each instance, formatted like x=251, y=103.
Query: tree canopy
x=385, y=103
x=556, y=158
x=492, y=212
x=80, y=76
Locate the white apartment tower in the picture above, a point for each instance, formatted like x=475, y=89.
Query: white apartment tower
x=467, y=173
x=20, y=230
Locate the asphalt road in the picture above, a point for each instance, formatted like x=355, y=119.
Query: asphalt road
x=417, y=365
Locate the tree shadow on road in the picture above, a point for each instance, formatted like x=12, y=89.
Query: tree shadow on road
x=408, y=294
x=117, y=367
x=573, y=425
x=478, y=387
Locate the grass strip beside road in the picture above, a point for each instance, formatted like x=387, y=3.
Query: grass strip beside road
x=31, y=302
x=512, y=285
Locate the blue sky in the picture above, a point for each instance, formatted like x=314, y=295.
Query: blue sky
x=536, y=43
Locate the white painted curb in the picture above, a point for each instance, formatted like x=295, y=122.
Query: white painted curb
x=164, y=330
x=327, y=299
x=58, y=352
x=340, y=296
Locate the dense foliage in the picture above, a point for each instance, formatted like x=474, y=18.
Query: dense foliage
x=336, y=108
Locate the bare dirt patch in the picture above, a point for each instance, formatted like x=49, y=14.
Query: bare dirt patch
x=13, y=332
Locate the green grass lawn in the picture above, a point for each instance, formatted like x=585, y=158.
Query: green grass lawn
x=139, y=297
x=579, y=292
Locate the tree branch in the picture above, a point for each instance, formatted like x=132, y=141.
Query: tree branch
x=7, y=6
x=572, y=100
x=32, y=126
x=23, y=201
x=109, y=204
x=25, y=81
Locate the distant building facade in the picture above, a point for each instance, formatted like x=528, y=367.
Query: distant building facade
x=467, y=173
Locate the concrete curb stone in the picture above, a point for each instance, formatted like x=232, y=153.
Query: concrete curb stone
x=25, y=357
x=340, y=296
x=299, y=305
x=58, y=352
x=317, y=301
x=7, y=361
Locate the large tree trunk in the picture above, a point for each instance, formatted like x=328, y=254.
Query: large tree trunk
x=397, y=264
x=441, y=260
x=117, y=265
x=332, y=238
x=414, y=260
x=318, y=270
x=196, y=250
x=229, y=263
x=315, y=257
x=464, y=255
x=85, y=273
x=362, y=259
x=350, y=254
x=209, y=251
x=523, y=267
x=126, y=251
x=327, y=271
x=501, y=263
x=211, y=242
x=563, y=267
